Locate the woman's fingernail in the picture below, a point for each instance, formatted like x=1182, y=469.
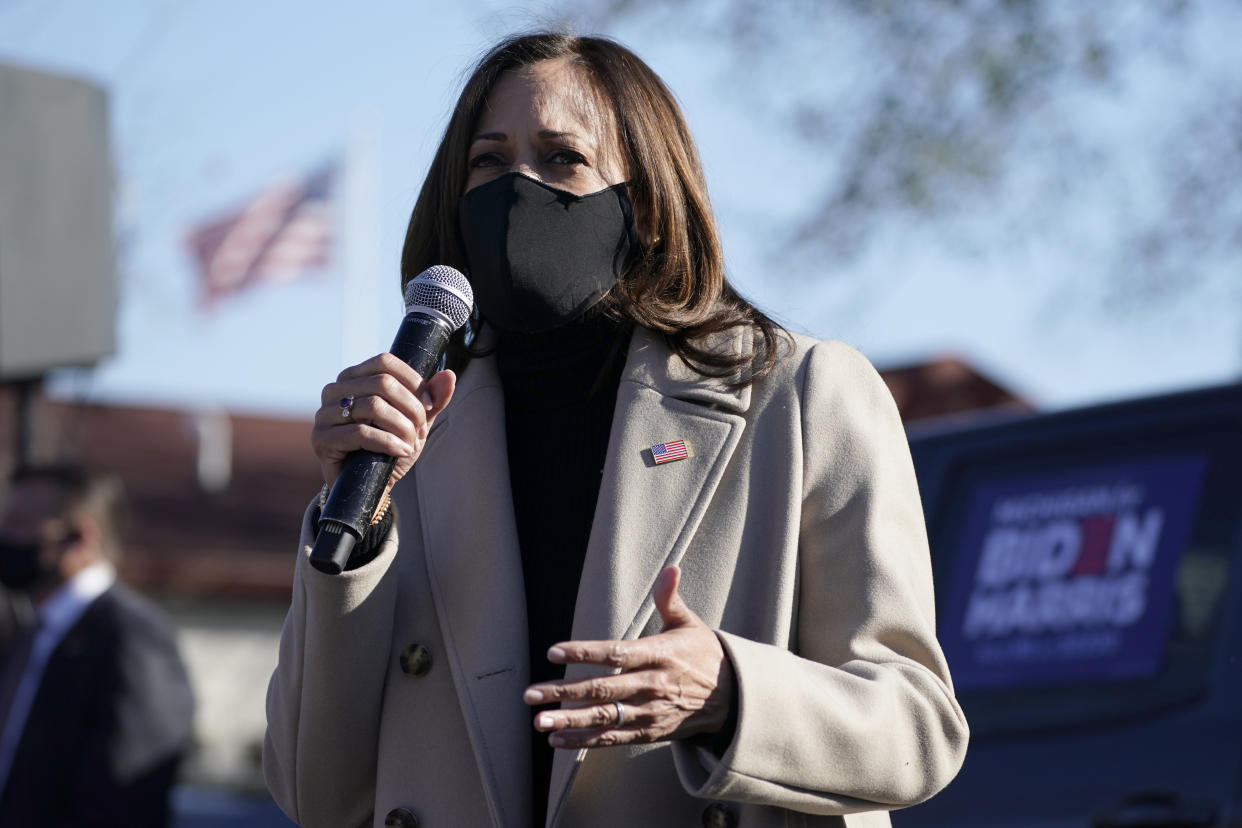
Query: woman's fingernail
x=556, y=654
x=532, y=696
x=425, y=398
x=545, y=721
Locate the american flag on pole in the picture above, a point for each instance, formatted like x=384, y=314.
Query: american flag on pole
x=280, y=235
x=667, y=452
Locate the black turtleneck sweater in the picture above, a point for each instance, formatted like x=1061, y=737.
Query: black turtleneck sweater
x=560, y=389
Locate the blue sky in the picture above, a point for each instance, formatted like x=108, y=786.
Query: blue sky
x=210, y=102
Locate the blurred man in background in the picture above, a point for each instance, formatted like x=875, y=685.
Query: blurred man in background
x=95, y=707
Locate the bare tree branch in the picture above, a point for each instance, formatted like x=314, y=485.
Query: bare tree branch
x=935, y=113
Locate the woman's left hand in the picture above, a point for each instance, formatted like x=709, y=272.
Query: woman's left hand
x=672, y=685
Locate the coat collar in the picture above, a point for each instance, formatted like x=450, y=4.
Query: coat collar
x=644, y=519
x=474, y=569
x=647, y=513
x=652, y=364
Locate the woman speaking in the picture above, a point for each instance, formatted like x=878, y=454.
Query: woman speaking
x=652, y=561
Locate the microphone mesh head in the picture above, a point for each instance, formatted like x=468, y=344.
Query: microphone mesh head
x=441, y=291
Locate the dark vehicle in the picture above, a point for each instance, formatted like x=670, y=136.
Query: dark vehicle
x=1089, y=601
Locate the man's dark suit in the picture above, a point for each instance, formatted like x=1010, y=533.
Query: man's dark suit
x=109, y=726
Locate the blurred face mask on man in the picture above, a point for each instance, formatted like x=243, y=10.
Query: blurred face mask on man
x=33, y=537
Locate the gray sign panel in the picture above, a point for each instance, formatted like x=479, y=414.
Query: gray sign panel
x=57, y=260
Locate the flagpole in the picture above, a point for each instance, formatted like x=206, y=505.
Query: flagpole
x=361, y=336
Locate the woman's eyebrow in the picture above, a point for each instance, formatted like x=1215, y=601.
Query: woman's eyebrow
x=557, y=135
x=546, y=134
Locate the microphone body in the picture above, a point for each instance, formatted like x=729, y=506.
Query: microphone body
x=357, y=490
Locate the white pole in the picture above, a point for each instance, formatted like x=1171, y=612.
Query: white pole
x=360, y=334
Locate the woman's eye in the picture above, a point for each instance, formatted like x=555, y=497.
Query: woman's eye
x=486, y=159
x=566, y=157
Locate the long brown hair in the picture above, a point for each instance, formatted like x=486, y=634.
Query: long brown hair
x=674, y=282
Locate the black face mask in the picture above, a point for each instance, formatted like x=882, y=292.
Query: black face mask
x=20, y=568
x=539, y=257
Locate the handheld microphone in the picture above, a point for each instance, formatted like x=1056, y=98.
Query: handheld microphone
x=437, y=302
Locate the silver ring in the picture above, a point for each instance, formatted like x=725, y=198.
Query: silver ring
x=620, y=714
x=347, y=406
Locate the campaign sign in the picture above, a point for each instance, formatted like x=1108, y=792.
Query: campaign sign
x=1068, y=577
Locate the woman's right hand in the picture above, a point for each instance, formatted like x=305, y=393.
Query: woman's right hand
x=392, y=411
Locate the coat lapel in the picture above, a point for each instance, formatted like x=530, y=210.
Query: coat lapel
x=474, y=568
x=647, y=513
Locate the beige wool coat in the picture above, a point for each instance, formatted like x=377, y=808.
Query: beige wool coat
x=797, y=525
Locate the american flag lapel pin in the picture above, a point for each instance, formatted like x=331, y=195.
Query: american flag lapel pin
x=670, y=451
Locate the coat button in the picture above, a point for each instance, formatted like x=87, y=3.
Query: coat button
x=416, y=660
x=719, y=815
x=400, y=818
